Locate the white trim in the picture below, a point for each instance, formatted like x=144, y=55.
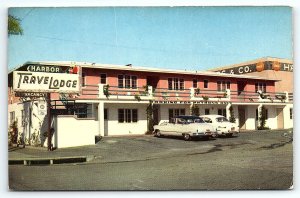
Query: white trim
x=144, y=69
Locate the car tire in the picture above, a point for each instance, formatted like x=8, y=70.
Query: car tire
x=186, y=137
x=229, y=135
x=157, y=133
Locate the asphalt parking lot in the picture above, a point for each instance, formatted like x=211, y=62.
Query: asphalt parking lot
x=254, y=160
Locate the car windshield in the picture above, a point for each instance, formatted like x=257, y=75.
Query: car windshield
x=222, y=119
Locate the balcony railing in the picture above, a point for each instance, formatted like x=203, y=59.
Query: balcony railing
x=196, y=95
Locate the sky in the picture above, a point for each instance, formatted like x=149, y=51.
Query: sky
x=191, y=38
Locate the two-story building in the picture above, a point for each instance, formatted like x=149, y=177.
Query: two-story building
x=126, y=99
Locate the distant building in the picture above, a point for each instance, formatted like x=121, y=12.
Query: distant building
x=121, y=107
x=275, y=68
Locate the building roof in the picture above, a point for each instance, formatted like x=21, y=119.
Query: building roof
x=264, y=59
x=130, y=67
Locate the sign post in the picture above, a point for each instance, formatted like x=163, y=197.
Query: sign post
x=41, y=81
x=50, y=147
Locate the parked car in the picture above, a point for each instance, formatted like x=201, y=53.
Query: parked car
x=186, y=126
x=221, y=125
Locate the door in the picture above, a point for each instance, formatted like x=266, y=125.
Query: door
x=242, y=118
x=280, y=123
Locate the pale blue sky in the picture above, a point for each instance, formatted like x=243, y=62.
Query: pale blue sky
x=193, y=38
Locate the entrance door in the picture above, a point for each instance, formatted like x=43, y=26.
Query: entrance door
x=242, y=118
x=279, y=113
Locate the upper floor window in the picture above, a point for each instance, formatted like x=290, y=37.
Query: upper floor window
x=205, y=84
x=83, y=80
x=102, y=78
x=127, y=81
x=223, y=85
x=195, y=83
x=260, y=87
x=291, y=113
x=175, y=84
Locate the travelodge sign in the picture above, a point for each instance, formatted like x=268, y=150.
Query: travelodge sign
x=45, y=82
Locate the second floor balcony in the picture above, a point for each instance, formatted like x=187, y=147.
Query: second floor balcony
x=147, y=93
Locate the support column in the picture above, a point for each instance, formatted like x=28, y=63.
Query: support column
x=101, y=118
x=228, y=110
x=259, y=109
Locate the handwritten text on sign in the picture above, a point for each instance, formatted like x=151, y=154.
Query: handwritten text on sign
x=46, y=82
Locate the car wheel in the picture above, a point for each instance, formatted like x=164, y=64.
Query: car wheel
x=186, y=137
x=157, y=133
x=229, y=135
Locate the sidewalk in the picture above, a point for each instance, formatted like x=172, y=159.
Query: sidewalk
x=41, y=155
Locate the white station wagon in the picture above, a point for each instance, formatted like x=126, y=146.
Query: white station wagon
x=221, y=125
x=185, y=126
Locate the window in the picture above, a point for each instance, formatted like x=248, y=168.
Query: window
x=260, y=86
x=223, y=85
x=83, y=80
x=195, y=83
x=291, y=113
x=83, y=110
x=222, y=112
x=206, y=111
x=175, y=112
x=105, y=114
x=175, y=84
x=102, y=78
x=120, y=81
x=127, y=115
x=133, y=82
x=205, y=84
x=228, y=84
x=128, y=81
x=12, y=117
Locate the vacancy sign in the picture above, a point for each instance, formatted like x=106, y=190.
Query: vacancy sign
x=45, y=82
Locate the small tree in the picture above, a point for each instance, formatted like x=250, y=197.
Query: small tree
x=262, y=119
x=14, y=26
x=231, y=115
x=149, y=112
x=195, y=110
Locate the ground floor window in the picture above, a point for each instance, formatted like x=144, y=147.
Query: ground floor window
x=127, y=115
x=83, y=110
x=206, y=111
x=175, y=112
x=222, y=112
x=291, y=113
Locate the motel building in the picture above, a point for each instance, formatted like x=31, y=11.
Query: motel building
x=111, y=100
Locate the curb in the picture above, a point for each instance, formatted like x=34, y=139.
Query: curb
x=50, y=161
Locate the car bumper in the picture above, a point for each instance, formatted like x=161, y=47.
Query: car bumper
x=203, y=134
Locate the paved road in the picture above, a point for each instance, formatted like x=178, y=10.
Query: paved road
x=257, y=160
